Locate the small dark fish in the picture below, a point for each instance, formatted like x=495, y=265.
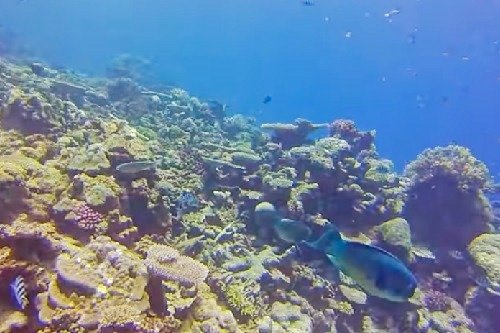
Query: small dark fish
x=134, y=168
x=267, y=99
x=377, y=271
x=18, y=291
x=291, y=231
x=186, y=202
x=216, y=107
x=307, y=3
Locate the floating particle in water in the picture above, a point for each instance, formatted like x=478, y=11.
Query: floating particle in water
x=421, y=101
x=348, y=34
x=383, y=79
x=367, y=14
x=391, y=13
x=465, y=58
x=327, y=19
x=411, y=71
x=412, y=39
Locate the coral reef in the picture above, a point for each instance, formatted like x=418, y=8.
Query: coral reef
x=446, y=197
x=128, y=209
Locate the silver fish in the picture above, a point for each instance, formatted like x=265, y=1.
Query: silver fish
x=18, y=290
x=133, y=168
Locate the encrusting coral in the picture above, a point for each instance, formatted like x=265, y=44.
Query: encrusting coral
x=131, y=210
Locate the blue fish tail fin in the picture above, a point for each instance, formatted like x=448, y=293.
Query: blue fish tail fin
x=330, y=236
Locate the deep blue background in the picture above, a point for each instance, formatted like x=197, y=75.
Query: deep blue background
x=444, y=87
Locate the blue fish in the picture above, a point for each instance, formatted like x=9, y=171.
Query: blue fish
x=18, y=290
x=291, y=231
x=377, y=271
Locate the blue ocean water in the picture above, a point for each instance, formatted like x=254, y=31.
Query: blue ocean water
x=427, y=75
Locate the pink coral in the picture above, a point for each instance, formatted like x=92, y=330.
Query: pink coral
x=86, y=218
x=435, y=300
x=346, y=129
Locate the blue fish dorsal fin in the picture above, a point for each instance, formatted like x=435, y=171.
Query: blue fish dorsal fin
x=376, y=248
x=329, y=237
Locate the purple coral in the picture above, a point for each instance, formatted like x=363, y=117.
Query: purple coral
x=86, y=218
x=435, y=300
x=343, y=128
x=346, y=129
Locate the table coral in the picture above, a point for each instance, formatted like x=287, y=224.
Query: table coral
x=168, y=264
x=290, y=135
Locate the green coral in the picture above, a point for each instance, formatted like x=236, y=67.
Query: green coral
x=98, y=191
x=343, y=307
x=238, y=296
x=92, y=160
x=485, y=251
x=396, y=233
x=380, y=172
